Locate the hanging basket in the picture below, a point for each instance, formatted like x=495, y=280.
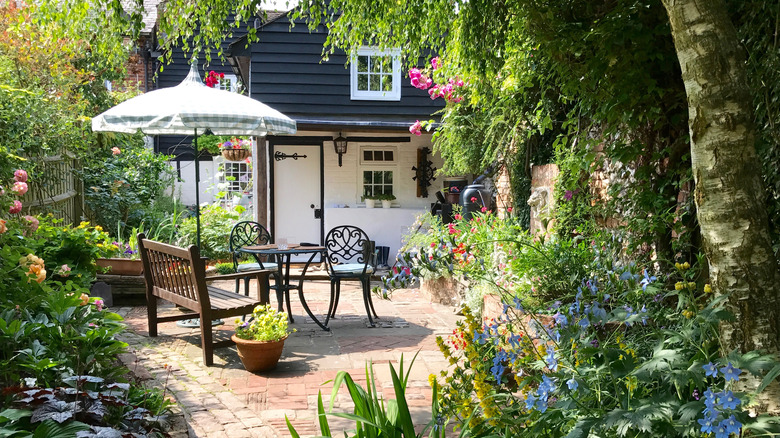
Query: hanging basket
x=236, y=154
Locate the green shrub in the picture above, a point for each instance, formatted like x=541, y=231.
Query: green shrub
x=225, y=268
x=216, y=223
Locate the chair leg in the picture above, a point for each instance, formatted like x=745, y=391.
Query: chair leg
x=151, y=315
x=246, y=286
x=207, y=342
x=332, y=303
x=338, y=296
x=370, y=298
x=366, y=300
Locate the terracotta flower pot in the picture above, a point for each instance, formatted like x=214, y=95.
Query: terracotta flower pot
x=259, y=355
x=119, y=266
x=236, y=154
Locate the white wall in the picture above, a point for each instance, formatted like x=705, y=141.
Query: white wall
x=186, y=188
x=343, y=189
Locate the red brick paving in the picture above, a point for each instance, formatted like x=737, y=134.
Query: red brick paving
x=313, y=357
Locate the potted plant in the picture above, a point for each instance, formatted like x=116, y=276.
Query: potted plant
x=236, y=149
x=370, y=200
x=387, y=200
x=260, y=340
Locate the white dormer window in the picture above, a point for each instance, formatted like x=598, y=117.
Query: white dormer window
x=376, y=75
x=228, y=83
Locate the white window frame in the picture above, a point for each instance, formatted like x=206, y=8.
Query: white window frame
x=394, y=93
x=233, y=84
x=378, y=166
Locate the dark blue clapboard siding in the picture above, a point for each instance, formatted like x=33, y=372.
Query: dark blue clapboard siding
x=172, y=74
x=289, y=75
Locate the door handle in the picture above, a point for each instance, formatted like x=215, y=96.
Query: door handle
x=317, y=213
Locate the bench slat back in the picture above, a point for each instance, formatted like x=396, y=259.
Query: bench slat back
x=175, y=274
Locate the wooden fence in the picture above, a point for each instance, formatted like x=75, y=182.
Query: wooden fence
x=58, y=191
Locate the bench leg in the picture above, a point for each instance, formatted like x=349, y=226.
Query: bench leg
x=207, y=342
x=151, y=315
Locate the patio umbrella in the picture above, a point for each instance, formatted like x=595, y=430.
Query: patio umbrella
x=192, y=108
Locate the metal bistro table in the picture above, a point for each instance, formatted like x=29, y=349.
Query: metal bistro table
x=283, y=257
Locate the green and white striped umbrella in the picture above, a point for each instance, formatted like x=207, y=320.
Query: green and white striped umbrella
x=192, y=105
x=192, y=108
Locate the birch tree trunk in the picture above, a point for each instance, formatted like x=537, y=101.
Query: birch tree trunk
x=728, y=196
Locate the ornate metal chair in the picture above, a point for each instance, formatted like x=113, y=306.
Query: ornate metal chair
x=349, y=257
x=249, y=233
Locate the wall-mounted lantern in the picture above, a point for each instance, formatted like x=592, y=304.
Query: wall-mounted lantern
x=340, y=145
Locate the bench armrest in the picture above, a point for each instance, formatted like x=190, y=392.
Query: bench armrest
x=239, y=275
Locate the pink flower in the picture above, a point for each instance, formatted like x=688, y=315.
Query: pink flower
x=20, y=175
x=99, y=305
x=16, y=207
x=435, y=63
x=20, y=188
x=115, y=150
x=65, y=270
x=415, y=74
x=415, y=129
x=484, y=209
x=415, y=82
x=473, y=199
x=33, y=223
x=459, y=82
x=509, y=209
x=458, y=216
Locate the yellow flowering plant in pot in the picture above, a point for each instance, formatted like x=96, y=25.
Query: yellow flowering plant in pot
x=260, y=339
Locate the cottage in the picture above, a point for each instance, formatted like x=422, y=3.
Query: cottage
x=353, y=136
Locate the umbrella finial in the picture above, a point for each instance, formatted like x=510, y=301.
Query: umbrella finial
x=193, y=77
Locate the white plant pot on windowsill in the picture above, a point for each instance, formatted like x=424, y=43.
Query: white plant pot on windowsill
x=387, y=204
x=370, y=203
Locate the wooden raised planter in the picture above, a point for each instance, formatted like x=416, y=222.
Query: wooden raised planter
x=118, y=266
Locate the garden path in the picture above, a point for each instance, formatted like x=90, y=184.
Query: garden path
x=227, y=401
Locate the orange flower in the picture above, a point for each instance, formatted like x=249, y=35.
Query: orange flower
x=84, y=299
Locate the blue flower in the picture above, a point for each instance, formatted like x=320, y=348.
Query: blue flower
x=728, y=400
x=518, y=303
x=706, y=425
x=710, y=369
x=626, y=275
x=731, y=425
x=541, y=405
x=730, y=373
x=498, y=372
x=584, y=323
x=530, y=400
x=646, y=281
x=709, y=398
x=560, y=319
x=481, y=338
x=552, y=363
x=572, y=384
x=546, y=387
x=720, y=432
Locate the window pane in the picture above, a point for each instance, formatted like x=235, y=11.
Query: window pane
x=387, y=64
x=362, y=82
x=388, y=190
x=376, y=64
x=368, y=156
x=388, y=177
x=362, y=65
x=378, y=156
x=375, y=83
x=367, y=177
x=387, y=83
x=388, y=155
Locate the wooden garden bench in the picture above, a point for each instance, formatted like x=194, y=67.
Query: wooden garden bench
x=178, y=275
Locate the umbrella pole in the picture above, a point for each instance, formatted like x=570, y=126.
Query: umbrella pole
x=197, y=192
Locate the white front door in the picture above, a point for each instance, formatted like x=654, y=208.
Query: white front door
x=297, y=194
